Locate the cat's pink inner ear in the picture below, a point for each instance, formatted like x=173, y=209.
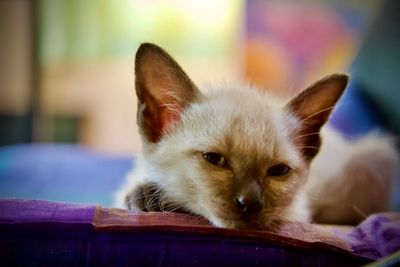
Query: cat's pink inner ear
x=313, y=107
x=155, y=118
x=160, y=109
x=163, y=90
x=169, y=114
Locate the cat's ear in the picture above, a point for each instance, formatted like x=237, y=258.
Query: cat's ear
x=163, y=90
x=313, y=107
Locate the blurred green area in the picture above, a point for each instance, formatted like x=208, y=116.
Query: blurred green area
x=77, y=49
x=80, y=81
x=71, y=30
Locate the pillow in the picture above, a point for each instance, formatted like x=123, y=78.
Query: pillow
x=34, y=232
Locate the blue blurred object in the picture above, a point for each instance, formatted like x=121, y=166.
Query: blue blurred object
x=373, y=97
x=377, y=66
x=67, y=173
x=354, y=116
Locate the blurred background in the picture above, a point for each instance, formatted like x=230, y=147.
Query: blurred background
x=66, y=66
x=67, y=99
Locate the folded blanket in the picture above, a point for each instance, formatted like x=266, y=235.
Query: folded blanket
x=34, y=232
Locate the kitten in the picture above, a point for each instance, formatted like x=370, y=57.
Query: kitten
x=242, y=160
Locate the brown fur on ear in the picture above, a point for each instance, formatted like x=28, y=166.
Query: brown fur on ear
x=163, y=90
x=313, y=107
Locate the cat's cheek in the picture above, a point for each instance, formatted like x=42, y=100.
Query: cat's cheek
x=280, y=191
x=277, y=185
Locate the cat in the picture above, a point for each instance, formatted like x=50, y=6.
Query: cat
x=241, y=159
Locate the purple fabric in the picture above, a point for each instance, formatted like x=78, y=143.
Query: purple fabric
x=376, y=237
x=40, y=233
x=38, y=211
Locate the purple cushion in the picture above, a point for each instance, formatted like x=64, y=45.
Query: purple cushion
x=36, y=232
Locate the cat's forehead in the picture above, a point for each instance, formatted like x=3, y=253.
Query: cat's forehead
x=239, y=121
x=248, y=101
x=243, y=108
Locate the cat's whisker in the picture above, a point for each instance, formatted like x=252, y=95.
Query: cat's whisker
x=324, y=110
x=153, y=200
x=172, y=95
x=292, y=89
x=150, y=204
x=312, y=147
x=359, y=211
x=316, y=113
x=169, y=205
x=138, y=198
x=174, y=208
x=304, y=135
x=171, y=107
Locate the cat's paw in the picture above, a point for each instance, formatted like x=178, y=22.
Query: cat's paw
x=150, y=197
x=145, y=197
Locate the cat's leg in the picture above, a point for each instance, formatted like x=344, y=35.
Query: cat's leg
x=353, y=181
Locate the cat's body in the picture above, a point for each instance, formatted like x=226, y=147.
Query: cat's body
x=241, y=159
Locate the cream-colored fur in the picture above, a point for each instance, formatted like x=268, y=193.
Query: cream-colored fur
x=254, y=131
x=347, y=179
x=352, y=179
x=258, y=132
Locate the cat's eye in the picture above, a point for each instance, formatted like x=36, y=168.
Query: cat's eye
x=278, y=170
x=215, y=158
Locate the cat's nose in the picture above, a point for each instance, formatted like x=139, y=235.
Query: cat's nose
x=249, y=200
x=248, y=205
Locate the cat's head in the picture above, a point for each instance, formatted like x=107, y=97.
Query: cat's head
x=235, y=157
